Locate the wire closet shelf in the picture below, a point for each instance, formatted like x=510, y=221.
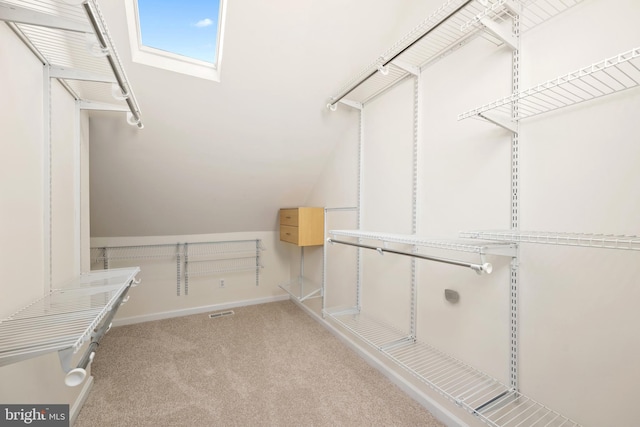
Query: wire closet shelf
x=451, y=26
x=606, y=77
x=383, y=240
x=602, y=241
x=483, y=396
x=66, y=318
x=72, y=38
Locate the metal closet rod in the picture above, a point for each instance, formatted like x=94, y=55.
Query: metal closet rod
x=112, y=63
x=478, y=268
x=403, y=50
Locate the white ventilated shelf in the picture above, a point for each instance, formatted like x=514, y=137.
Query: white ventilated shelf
x=65, y=37
x=609, y=76
x=134, y=252
x=445, y=30
x=437, y=36
x=459, y=245
x=217, y=266
x=483, y=396
x=603, y=241
x=63, y=319
x=302, y=289
x=536, y=12
x=209, y=249
x=532, y=12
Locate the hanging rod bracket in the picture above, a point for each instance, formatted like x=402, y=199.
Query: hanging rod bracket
x=382, y=69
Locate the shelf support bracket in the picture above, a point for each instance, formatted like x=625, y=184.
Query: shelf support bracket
x=58, y=72
x=101, y=106
x=406, y=67
x=511, y=127
x=352, y=104
x=499, y=32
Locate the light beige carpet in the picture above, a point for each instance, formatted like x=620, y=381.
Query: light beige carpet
x=267, y=365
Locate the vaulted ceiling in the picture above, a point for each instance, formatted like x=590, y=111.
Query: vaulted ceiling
x=223, y=157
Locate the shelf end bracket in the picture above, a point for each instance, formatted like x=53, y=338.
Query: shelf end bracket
x=499, y=32
x=500, y=122
x=352, y=104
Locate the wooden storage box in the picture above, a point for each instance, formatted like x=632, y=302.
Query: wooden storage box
x=302, y=226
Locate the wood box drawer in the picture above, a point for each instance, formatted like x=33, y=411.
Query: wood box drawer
x=302, y=226
x=289, y=217
x=289, y=234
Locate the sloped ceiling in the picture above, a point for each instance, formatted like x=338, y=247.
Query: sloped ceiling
x=223, y=157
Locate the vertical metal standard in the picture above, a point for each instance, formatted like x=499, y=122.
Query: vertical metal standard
x=301, y=275
x=414, y=200
x=324, y=262
x=77, y=193
x=47, y=176
x=178, y=260
x=359, y=224
x=105, y=258
x=515, y=205
x=257, y=262
x=186, y=269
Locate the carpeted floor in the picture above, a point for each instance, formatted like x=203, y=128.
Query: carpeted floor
x=267, y=365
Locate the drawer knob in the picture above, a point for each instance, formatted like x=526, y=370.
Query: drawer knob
x=287, y=217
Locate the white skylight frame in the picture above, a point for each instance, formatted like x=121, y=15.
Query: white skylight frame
x=170, y=61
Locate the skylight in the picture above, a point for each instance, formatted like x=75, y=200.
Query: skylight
x=182, y=36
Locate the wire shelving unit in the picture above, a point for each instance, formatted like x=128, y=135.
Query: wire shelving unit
x=458, y=245
x=451, y=26
x=609, y=76
x=192, y=259
x=64, y=319
x=602, y=241
x=211, y=258
x=432, y=39
x=490, y=400
x=74, y=42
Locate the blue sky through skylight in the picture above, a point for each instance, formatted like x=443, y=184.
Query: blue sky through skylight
x=187, y=27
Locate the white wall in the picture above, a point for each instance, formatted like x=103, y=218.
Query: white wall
x=24, y=223
x=578, y=173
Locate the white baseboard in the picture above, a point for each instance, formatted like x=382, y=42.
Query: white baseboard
x=438, y=410
x=79, y=403
x=195, y=310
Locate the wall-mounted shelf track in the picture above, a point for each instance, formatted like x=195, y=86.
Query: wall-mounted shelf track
x=483, y=396
x=65, y=319
x=602, y=241
x=74, y=41
x=609, y=76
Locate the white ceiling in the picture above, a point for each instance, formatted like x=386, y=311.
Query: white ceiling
x=223, y=157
